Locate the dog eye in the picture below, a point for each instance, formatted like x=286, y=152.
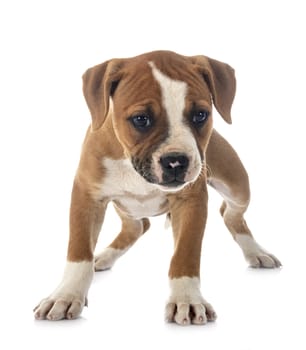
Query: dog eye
x=141, y=122
x=198, y=118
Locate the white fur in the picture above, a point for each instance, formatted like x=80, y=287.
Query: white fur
x=121, y=177
x=123, y=185
x=248, y=244
x=69, y=298
x=255, y=254
x=180, y=137
x=77, y=278
x=186, y=290
x=186, y=297
x=106, y=259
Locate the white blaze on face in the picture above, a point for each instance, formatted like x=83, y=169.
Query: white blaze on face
x=173, y=94
x=180, y=137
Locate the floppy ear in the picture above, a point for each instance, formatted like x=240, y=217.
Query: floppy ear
x=99, y=83
x=221, y=81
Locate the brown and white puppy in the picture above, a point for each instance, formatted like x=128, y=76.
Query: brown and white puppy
x=151, y=150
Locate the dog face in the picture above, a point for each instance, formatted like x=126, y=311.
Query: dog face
x=161, y=109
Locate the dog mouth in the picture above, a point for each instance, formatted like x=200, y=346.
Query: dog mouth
x=171, y=186
x=173, y=183
x=173, y=179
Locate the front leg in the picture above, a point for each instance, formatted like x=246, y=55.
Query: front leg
x=188, y=216
x=69, y=298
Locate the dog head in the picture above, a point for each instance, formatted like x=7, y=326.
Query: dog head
x=160, y=104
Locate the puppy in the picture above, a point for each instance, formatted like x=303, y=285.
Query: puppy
x=151, y=150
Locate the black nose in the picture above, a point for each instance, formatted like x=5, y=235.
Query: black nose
x=174, y=166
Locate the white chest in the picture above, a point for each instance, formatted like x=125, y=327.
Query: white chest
x=129, y=191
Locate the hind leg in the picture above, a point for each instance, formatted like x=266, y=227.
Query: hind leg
x=232, y=211
x=228, y=176
x=131, y=230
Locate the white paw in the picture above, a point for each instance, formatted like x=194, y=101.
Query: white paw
x=263, y=259
x=186, y=304
x=107, y=258
x=69, y=298
x=256, y=255
x=60, y=307
x=185, y=314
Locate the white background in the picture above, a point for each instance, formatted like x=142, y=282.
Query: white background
x=45, y=48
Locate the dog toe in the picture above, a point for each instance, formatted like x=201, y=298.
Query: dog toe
x=185, y=314
x=266, y=260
